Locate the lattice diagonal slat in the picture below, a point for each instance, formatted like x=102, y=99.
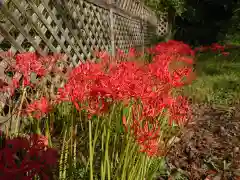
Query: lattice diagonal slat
x=77, y=28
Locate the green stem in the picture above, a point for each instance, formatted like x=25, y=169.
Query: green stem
x=75, y=148
x=103, y=166
x=125, y=160
x=143, y=166
x=71, y=128
x=135, y=167
x=47, y=132
x=19, y=111
x=61, y=163
x=107, y=156
x=96, y=134
x=115, y=151
x=90, y=150
x=95, y=138
x=38, y=131
x=65, y=164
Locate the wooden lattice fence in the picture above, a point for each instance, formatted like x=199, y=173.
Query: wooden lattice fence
x=76, y=27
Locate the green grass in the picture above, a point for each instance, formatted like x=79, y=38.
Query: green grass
x=218, y=79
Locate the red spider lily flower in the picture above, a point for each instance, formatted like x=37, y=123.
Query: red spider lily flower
x=146, y=131
x=153, y=106
x=147, y=137
x=102, y=55
x=131, y=53
x=187, y=60
x=39, y=141
x=49, y=62
x=179, y=111
x=149, y=50
x=124, y=81
x=217, y=47
x=97, y=106
x=202, y=49
x=20, y=159
x=178, y=75
x=27, y=63
x=150, y=147
x=86, y=86
x=120, y=54
x=225, y=53
x=159, y=69
x=11, y=87
x=39, y=108
x=173, y=48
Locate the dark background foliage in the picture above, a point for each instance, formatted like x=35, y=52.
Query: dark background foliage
x=202, y=22
x=206, y=21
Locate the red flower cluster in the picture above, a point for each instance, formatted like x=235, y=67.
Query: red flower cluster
x=23, y=158
x=172, y=48
x=95, y=86
x=38, y=108
x=215, y=47
x=26, y=64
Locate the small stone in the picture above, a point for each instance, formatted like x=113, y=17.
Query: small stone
x=173, y=140
x=222, y=129
x=236, y=149
x=222, y=118
x=218, y=177
x=207, y=117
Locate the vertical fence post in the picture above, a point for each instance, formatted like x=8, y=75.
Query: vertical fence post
x=112, y=33
x=142, y=28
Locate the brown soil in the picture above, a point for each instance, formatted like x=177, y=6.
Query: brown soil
x=209, y=147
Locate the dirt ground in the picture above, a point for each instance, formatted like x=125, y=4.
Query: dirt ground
x=209, y=147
